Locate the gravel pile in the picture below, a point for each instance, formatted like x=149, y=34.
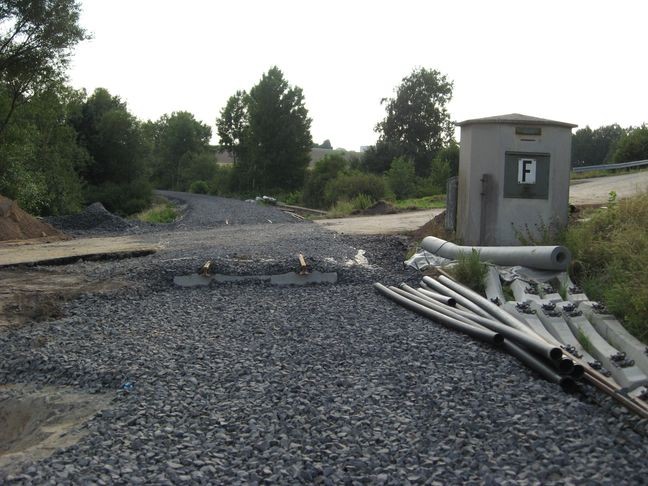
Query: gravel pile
x=249, y=383
x=93, y=219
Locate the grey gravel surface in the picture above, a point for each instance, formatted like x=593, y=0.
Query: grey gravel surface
x=331, y=384
x=93, y=219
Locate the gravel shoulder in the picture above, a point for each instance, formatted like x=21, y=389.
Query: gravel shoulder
x=248, y=383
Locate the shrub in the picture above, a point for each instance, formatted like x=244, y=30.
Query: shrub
x=440, y=172
x=401, y=178
x=199, y=187
x=221, y=183
x=325, y=170
x=470, y=271
x=123, y=199
x=611, y=248
x=348, y=186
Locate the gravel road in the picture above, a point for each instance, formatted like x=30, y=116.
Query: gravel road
x=332, y=384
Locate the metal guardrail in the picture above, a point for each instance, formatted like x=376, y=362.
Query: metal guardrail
x=622, y=165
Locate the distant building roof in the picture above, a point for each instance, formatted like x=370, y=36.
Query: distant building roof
x=516, y=118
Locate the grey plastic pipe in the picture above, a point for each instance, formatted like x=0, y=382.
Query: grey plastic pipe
x=567, y=383
x=473, y=331
x=523, y=339
x=444, y=299
x=540, y=257
x=459, y=299
x=510, y=345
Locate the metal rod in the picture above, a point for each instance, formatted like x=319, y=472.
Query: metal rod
x=476, y=332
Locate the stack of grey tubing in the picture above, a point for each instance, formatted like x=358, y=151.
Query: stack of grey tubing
x=457, y=307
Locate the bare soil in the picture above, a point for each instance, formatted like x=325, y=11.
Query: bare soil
x=16, y=224
x=37, y=294
x=34, y=423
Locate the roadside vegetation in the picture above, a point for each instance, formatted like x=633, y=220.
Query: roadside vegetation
x=470, y=271
x=161, y=212
x=610, y=251
x=61, y=148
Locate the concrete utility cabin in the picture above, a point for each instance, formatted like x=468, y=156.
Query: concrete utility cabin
x=513, y=178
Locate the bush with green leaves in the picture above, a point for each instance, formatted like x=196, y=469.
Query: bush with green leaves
x=221, y=183
x=199, y=187
x=123, y=199
x=325, y=170
x=611, y=252
x=401, y=178
x=634, y=146
x=348, y=186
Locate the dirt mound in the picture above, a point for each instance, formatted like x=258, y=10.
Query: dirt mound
x=381, y=207
x=94, y=218
x=16, y=224
x=434, y=227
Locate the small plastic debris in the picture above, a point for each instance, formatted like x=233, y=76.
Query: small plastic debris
x=127, y=387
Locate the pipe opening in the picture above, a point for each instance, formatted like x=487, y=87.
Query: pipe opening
x=555, y=354
x=578, y=371
x=565, y=365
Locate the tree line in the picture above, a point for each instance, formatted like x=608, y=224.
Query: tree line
x=609, y=144
x=62, y=148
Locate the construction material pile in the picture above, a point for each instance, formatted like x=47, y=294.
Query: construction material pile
x=563, y=338
x=95, y=218
x=16, y=224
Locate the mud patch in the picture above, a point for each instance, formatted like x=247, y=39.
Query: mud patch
x=36, y=422
x=38, y=294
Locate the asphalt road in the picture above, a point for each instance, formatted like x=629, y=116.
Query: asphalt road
x=249, y=383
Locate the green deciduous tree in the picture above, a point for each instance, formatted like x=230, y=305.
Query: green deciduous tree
x=117, y=173
x=401, y=178
x=633, y=146
x=181, y=147
x=39, y=155
x=36, y=37
x=268, y=131
x=593, y=147
x=325, y=170
x=232, y=125
x=417, y=124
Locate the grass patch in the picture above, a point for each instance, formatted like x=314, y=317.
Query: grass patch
x=610, y=251
x=345, y=207
x=427, y=202
x=585, y=342
x=161, y=212
x=470, y=271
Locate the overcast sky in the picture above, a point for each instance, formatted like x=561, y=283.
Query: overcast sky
x=576, y=61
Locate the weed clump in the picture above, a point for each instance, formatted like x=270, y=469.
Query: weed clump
x=610, y=250
x=470, y=271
